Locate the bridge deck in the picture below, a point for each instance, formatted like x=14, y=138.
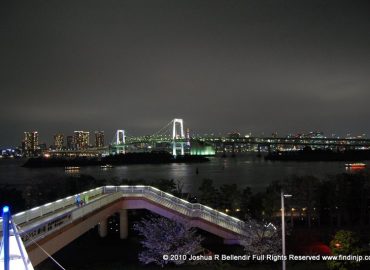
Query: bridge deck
x=51, y=217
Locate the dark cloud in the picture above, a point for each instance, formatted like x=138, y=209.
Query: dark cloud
x=253, y=66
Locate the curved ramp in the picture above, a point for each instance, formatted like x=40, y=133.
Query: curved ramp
x=58, y=223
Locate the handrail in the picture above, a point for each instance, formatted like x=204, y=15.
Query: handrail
x=192, y=210
x=51, y=207
x=67, y=217
x=112, y=193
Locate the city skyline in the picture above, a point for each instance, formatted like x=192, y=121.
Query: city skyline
x=97, y=138
x=247, y=66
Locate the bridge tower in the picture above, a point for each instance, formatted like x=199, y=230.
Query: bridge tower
x=177, y=134
x=120, y=141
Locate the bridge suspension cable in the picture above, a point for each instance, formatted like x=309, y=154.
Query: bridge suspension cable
x=172, y=132
x=165, y=130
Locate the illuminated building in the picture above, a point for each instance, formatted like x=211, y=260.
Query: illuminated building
x=30, y=143
x=99, y=138
x=202, y=149
x=58, y=141
x=81, y=139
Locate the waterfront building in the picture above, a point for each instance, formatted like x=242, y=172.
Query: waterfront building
x=30, y=143
x=99, y=138
x=81, y=139
x=58, y=141
x=202, y=149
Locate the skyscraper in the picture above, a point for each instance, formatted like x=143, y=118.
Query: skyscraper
x=58, y=141
x=99, y=138
x=30, y=143
x=81, y=139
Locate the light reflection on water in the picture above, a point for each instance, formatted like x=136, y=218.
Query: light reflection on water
x=243, y=170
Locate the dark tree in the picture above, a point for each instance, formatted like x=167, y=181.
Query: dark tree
x=305, y=194
x=208, y=194
x=271, y=200
x=344, y=243
x=230, y=197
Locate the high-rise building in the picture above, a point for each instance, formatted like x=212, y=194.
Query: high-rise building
x=70, y=144
x=58, y=141
x=81, y=139
x=99, y=138
x=30, y=143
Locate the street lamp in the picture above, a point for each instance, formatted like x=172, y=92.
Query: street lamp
x=283, y=225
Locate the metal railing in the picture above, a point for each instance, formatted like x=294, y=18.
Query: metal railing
x=40, y=219
x=191, y=210
x=50, y=208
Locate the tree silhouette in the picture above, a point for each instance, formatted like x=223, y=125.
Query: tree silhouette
x=344, y=243
x=208, y=194
x=163, y=236
x=261, y=238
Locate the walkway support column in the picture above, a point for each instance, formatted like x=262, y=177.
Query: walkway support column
x=123, y=224
x=103, y=228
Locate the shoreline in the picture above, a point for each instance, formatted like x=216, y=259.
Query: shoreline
x=319, y=155
x=114, y=160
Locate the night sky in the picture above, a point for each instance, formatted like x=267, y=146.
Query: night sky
x=249, y=66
